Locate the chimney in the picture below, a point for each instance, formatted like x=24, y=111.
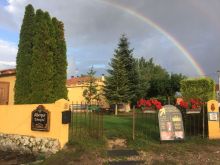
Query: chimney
x=103, y=77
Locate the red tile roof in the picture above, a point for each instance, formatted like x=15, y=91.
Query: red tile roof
x=7, y=72
x=76, y=81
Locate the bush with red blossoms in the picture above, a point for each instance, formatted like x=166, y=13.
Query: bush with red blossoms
x=149, y=104
x=191, y=104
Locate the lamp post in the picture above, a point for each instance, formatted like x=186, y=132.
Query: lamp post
x=218, y=71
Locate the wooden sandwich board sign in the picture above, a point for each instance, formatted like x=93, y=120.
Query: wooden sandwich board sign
x=170, y=123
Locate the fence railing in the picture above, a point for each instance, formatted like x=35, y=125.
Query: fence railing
x=193, y=124
x=86, y=121
x=146, y=125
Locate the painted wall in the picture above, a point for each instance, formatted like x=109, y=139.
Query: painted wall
x=16, y=119
x=213, y=119
x=11, y=80
x=75, y=94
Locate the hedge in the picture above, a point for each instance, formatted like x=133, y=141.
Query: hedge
x=202, y=88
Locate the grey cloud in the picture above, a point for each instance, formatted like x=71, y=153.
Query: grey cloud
x=93, y=28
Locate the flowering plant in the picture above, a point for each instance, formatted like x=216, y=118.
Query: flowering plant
x=149, y=104
x=191, y=104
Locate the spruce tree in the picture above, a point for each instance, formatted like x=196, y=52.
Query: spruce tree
x=24, y=58
x=60, y=62
x=42, y=71
x=116, y=89
x=130, y=66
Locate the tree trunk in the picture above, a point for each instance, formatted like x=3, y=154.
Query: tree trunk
x=116, y=109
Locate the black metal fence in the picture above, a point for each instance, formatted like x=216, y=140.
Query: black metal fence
x=86, y=121
x=147, y=125
x=195, y=124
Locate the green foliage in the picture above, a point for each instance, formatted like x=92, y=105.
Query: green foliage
x=149, y=73
x=154, y=81
x=175, y=80
x=202, y=88
x=91, y=92
x=42, y=69
x=41, y=59
x=117, y=85
x=24, y=58
x=60, y=63
x=130, y=67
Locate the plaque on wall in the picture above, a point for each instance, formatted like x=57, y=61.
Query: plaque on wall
x=40, y=119
x=170, y=123
x=213, y=116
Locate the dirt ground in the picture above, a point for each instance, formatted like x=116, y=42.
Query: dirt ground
x=13, y=158
x=170, y=153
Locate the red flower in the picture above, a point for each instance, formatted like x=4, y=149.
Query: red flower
x=146, y=104
x=192, y=104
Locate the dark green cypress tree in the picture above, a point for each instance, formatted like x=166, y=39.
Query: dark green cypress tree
x=116, y=88
x=24, y=58
x=42, y=69
x=60, y=62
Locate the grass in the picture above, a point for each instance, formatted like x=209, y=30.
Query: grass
x=115, y=126
x=146, y=139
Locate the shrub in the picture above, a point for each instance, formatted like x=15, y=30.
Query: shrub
x=199, y=88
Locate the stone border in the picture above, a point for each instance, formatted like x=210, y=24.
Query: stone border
x=28, y=144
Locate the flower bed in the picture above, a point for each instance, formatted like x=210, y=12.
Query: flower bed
x=192, y=106
x=149, y=106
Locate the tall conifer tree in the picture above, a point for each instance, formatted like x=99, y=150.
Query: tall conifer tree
x=130, y=66
x=60, y=63
x=41, y=60
x=42, y=69
x=24, y=58
x=116, y=89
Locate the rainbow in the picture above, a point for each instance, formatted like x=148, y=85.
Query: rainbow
x=147, y=20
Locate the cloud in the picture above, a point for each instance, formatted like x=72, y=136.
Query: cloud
x=92, y=30
x=8, y=51
x=7, y=65
x=12, y=63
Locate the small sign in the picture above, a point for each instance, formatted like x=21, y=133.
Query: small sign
x=170, y=123
x=40, y=119
x=213, y=116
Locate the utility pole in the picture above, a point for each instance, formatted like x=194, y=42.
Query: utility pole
x=218, y=71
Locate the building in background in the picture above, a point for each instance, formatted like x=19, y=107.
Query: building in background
x=7, y=83
x=76, y=86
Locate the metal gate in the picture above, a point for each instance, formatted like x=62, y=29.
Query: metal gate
x=86, y=121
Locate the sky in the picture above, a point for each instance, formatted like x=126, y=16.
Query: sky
x=181, y=36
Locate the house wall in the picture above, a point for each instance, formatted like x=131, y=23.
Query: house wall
x=75, y=94
x=11, y=81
